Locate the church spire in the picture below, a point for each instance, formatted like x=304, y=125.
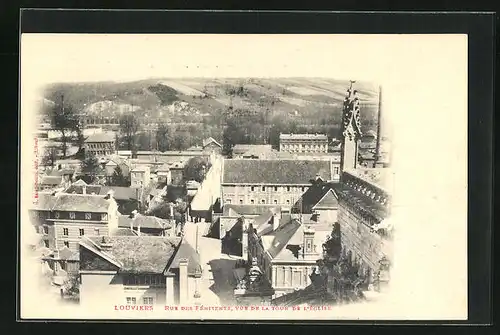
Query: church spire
x=351, y=129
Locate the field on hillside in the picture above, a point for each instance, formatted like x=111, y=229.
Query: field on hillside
x=306, y=101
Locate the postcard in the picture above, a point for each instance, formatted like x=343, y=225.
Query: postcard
x=250, y=177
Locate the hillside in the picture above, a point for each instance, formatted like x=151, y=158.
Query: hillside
x=307, y=101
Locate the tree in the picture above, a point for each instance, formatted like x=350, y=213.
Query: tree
x=64, y=120
x=80, y=138
x=128, y=128
x=118, y=179
x=181, y=140
x=49, y=157
x=162, y=143
x=90, y=166
x=196, y=168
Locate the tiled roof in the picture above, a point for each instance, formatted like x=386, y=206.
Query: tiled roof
x=328, y=201
x=45, y=201
x=209, y=140
x=263, y=223
x=120, y=192
x=282, y=236
x=81, y=203
x=150, y=222
x=273, y=171
x=303, y=137
x=51, y=180
x=186, y=251
x=124, y=232
x=239, y=149
x=141, y=254
x=312, y=196
x=89, y=189
x=100, y=137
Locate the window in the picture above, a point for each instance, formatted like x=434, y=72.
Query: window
x=288, y=202
x=71, y=215
x=263, y=201
x=147, y=280
x=82, y=231
x=66, y=244
x=63, y=265
x=275, y=201
x=57, y=215
x=131, y=300
x=252, y=188
x=276, y=188
x=45, y=230
x=252, y=201
x=97, y=231
x=303, y=188
x=288, y=188
x=104, y=217
x=336, y=170
x=147, y=300
x=241, y=201
x=65, y=231
x=46, y=243
x=263, y=188
x=228, y=201
x=88, y=216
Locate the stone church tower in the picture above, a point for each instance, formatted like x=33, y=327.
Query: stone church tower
x=351, y=130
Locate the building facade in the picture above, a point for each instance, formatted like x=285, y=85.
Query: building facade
x=138, y=270
x=63, y=219
x=100, y=144
x=269, y=182
x=304, y=143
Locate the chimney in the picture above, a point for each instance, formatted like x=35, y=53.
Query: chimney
x=110, y=194
x=106, y=243
x=183, y=281
x=84, y=189
x=276, y=220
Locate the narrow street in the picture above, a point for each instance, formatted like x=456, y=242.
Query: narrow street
x=217, y=282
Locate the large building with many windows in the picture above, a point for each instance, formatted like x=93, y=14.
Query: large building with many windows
x=270, y=182
x=63, y=219
x=100, y=144
x=304, y=143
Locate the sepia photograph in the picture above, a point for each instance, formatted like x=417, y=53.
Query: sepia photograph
x=243, y=177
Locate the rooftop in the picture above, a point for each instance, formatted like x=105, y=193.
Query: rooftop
x=100, y=137
x=45, y=201
x=248, y=149
x=81, y=203
x=51, y=180
x=303, y=137
x=209, y=140
x=318, y=192
x=274, y=171
x=134, y=254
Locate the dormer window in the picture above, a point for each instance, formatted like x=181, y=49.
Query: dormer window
x=71, y=215
x=88, y=216
x=104, y=217
x=252, y=188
